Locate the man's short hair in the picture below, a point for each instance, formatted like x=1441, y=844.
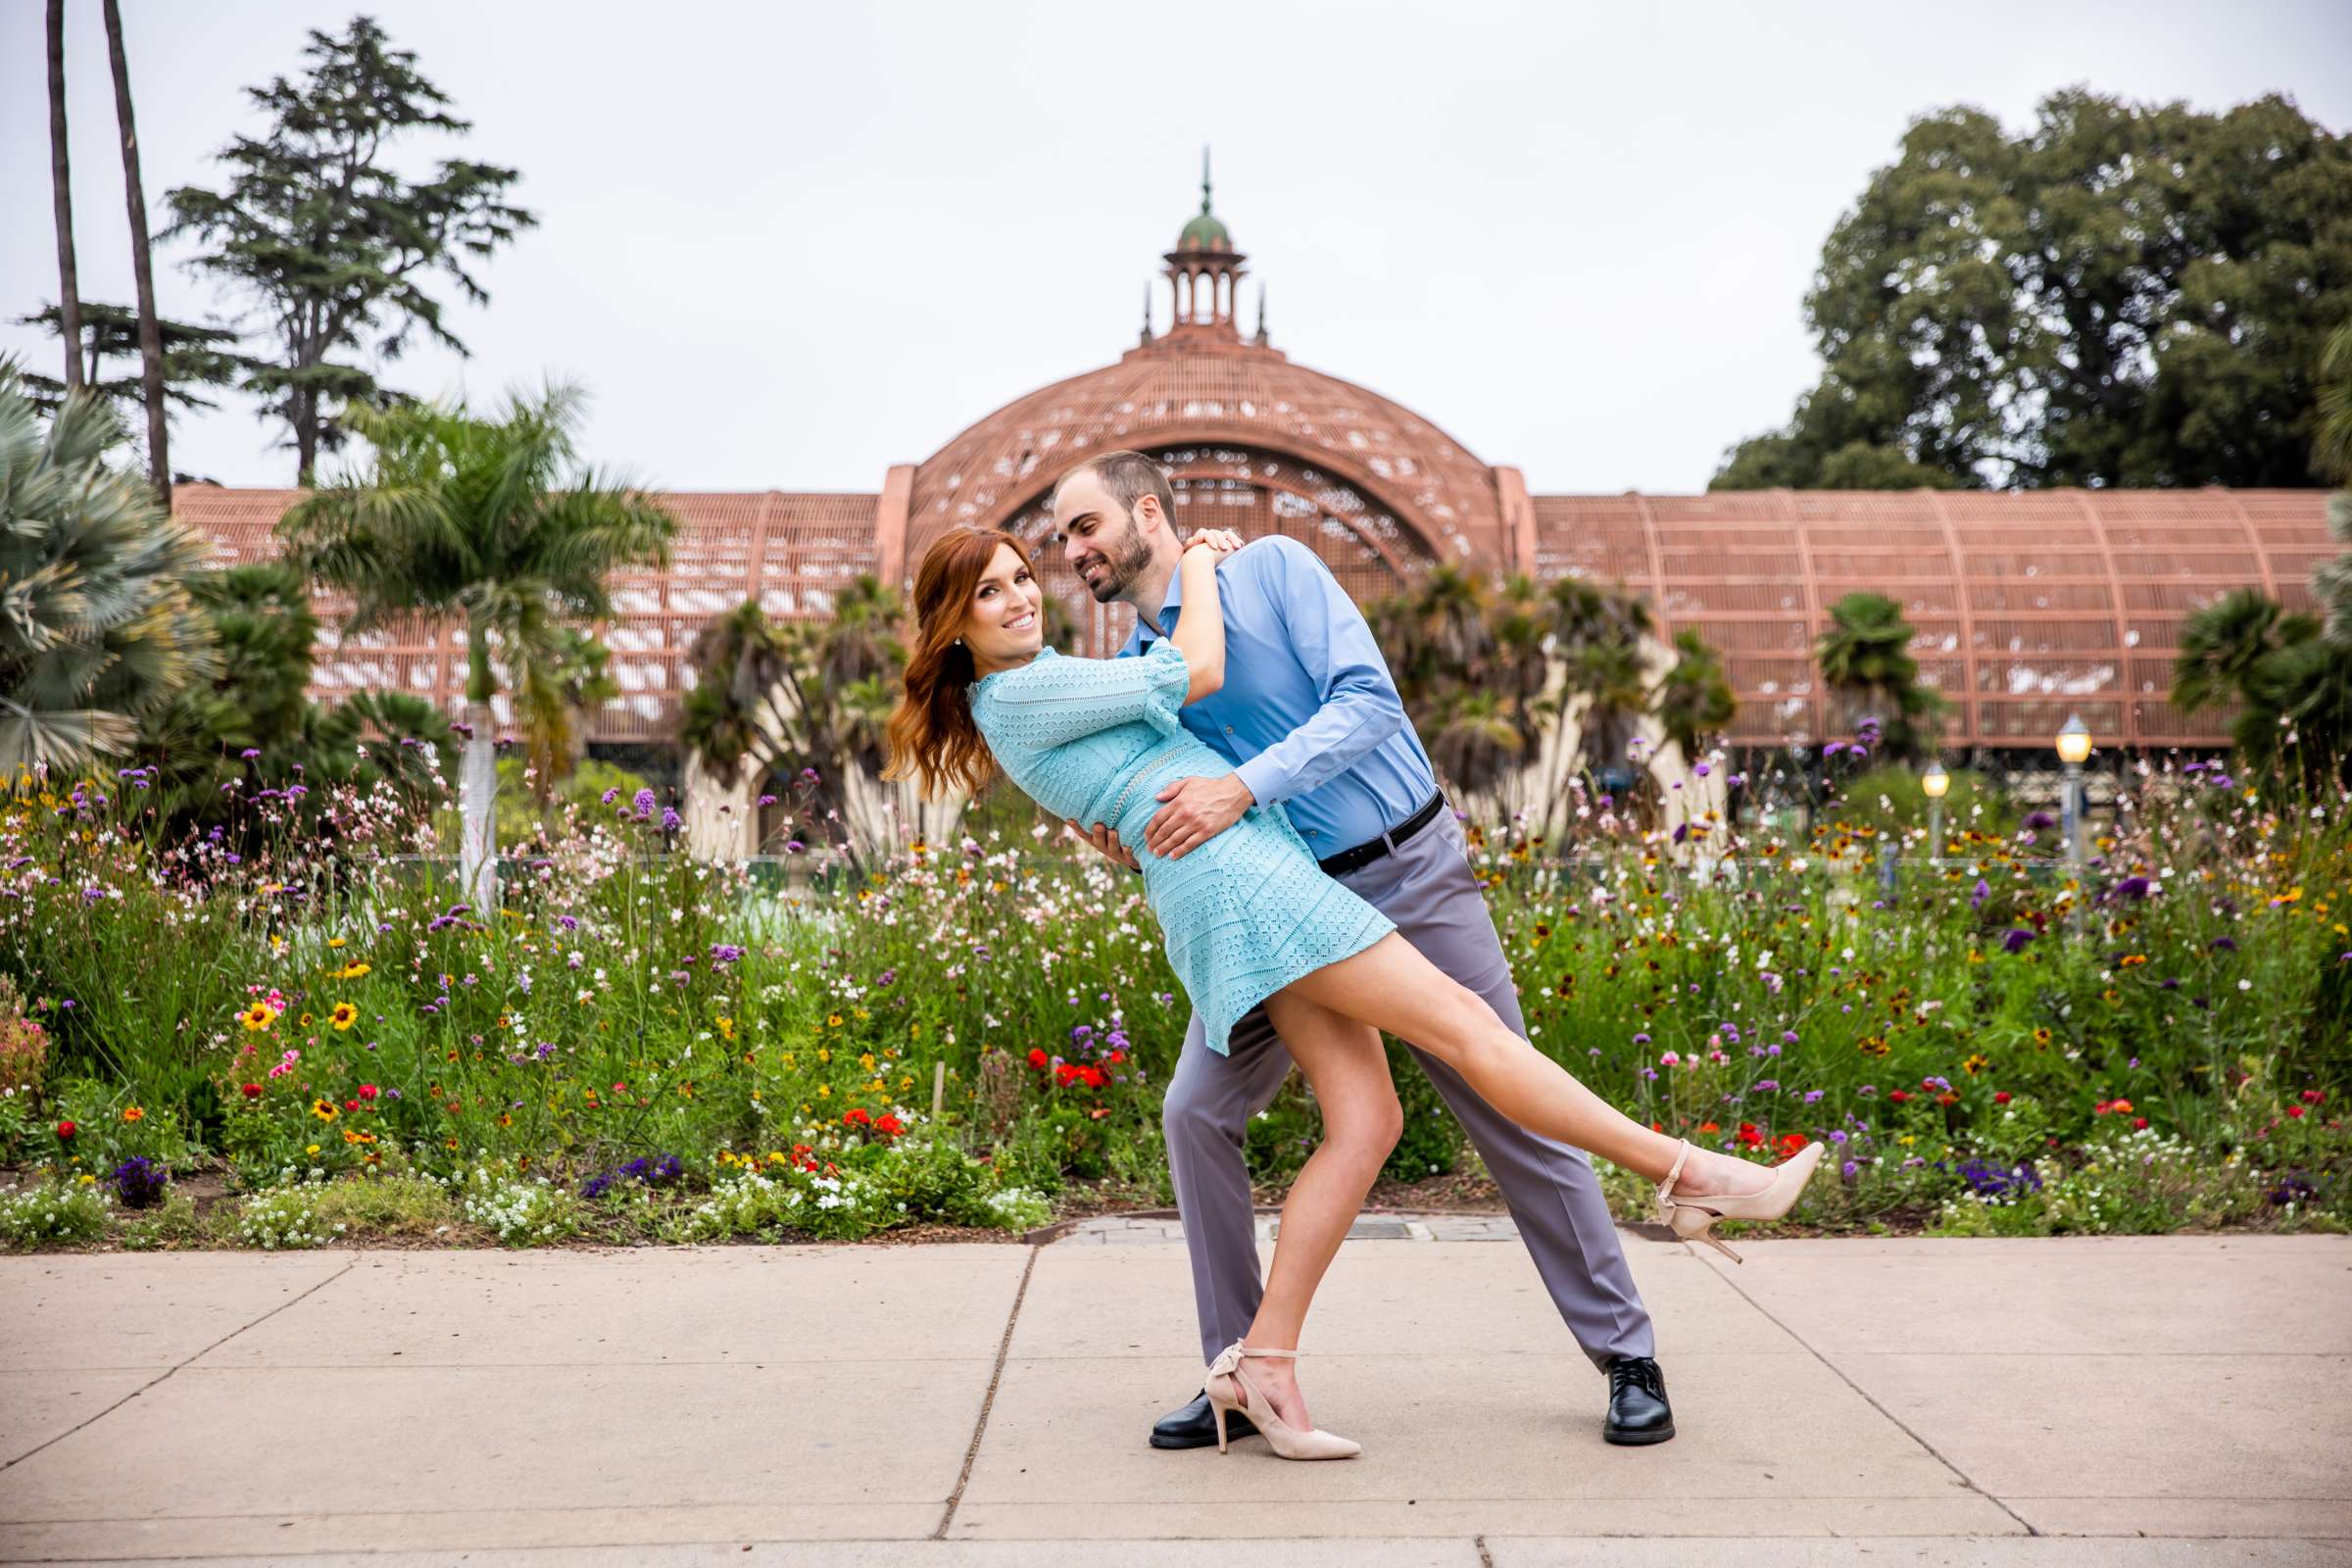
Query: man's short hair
x=1129, y=476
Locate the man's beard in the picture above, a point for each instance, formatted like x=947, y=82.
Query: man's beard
x=1122, y=564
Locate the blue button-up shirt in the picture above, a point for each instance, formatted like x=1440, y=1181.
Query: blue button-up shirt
x=1309, y=714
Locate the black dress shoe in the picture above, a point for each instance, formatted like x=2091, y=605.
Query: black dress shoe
x=1638, y=1407
x=1195, y=1426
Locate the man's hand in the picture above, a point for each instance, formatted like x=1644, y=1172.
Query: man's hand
x=1107, y=840
x=1224, y=541
x=1197, y=810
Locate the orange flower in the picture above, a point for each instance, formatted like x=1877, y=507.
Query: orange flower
x=135, y=1113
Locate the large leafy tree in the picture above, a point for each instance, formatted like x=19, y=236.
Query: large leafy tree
x=2289, y=674
x=1864, y=660
x=333, y=244
x=2125, y=294
x=492, y=521
x=96, y=626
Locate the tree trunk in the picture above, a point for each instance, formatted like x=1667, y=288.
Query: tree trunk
x=306, y=436
x=151, y=331
x=477, y=782
x=60, y=185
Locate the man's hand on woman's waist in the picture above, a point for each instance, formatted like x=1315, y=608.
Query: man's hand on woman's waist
x=1197, y=810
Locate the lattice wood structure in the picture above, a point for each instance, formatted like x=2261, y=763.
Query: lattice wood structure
x=2029, y=607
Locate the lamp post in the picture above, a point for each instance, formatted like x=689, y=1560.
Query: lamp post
x=2073, y=747
x=1935, y=781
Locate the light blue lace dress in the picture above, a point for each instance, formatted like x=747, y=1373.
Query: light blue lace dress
x=1243, y=914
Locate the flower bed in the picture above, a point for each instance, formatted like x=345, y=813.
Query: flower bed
x=635, y=1043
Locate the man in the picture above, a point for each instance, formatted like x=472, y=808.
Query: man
x=1310, y=717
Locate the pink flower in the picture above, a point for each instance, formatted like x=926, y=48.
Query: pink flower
x=1669, y=1060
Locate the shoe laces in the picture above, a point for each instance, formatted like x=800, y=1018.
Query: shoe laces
x=1640, y=1371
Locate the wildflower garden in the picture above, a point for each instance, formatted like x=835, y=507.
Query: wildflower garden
x=304, y=1023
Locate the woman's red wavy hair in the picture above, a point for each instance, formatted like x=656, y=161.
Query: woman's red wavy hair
x=932, y=737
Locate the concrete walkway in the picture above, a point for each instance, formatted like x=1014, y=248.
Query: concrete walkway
x=2163, y=1401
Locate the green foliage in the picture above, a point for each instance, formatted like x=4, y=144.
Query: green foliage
x=1866, y=662
x=96, y=630
x=784, y=696
x=2289, y=675
x=1695, y=699
x=194, y=357
x=53, y=1213
x=2125, y=294
x=330, y=241
x=1891, y=800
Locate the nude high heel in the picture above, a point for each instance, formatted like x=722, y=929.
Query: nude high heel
x=1225, y=1385
x=1694, y=1218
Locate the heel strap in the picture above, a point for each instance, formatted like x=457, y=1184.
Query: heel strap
x=1675, y=1172
x=1229, y=1359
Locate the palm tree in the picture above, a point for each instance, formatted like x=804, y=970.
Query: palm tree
x=142, y=267
x=2222, y=644
x=96, y=626
x=554, y=686
x=491, y=520
x=821, y=691
x=60, y=191
x=1598, y=635
x=1866, y=662
x=1694, y=699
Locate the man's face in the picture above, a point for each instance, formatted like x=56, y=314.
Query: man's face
x=1100, y=539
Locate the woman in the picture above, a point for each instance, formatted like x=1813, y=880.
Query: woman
x=1248, y=917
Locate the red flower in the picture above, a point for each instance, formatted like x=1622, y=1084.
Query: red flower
x=1790, y=1143
x=888, y=1125
x=1899, y=1095
x=2295, y=1111
x=1094, y=1076
x=368, y=1091
x=351, y=1105
x=2139, y=1124
x=1709, y=1127
x=1749, y=1136
x=856, y=1116
x=2000, y=1097
x=2120, y=1107
x=1037, y=1058
x=252, y=1090
x=2315, y=1097
x=1067, y=1074
x=65, y=1130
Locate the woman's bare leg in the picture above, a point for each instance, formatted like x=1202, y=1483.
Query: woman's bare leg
x=1391, y=986
x=1348, y=1071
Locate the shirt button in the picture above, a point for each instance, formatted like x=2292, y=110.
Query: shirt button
x=1229, y=729
x=1311, y=832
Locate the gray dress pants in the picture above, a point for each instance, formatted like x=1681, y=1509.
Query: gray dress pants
x=1428, y=889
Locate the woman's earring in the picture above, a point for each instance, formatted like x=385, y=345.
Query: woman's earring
x=958, y=642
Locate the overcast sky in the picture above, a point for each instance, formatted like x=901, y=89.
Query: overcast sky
x=787, y=245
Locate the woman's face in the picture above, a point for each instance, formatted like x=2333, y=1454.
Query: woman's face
x=1004, y=624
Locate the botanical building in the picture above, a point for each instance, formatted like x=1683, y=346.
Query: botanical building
x=2029, y=606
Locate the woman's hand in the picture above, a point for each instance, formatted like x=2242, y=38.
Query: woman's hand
x=1224, y=541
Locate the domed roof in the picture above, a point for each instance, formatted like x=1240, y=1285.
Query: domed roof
x=1237, y=394
x=1206, y=232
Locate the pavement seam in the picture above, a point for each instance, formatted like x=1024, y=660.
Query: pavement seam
x=167, y=1372
x=1840, y=1373
x=988, y=1400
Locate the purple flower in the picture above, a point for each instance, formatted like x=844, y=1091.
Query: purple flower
x=670, y=821
x=1702, y=770
x=2131, y=887
x=1847, y=1169
x=2035, y=821
x=768, y=799
x=643, y=802
x=1984, y=891
x=2220, y=945
x=2015, y=940
x=250, y=753
x=1641, y=1040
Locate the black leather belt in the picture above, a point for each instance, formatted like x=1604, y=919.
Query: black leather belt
x=1388, y=843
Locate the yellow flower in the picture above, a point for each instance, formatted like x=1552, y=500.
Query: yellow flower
x=833, y=1020
x=2042, y=1037
x=261, y=1016
x=351, y=970
x=313, y=1149
x=726, y=1028
x=1975, y=1064
x=344, y=1015
x=324, y=1110
x=334, y=942
x=824, y=1091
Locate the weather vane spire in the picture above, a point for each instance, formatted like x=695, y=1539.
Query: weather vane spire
x=1205, y=177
